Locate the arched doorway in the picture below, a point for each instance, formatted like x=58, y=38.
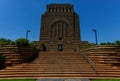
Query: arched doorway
x=59, y=29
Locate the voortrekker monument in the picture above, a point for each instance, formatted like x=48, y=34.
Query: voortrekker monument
x=60, y=28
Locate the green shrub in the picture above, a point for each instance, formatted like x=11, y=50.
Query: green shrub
x=22, y=42
x=2, y=57
x=86, y=46
x=4, y=41
x=103, y=43
x=33, y=44
x=2, y=61
x=118, y=42
x=107, y=43
x=12, y=43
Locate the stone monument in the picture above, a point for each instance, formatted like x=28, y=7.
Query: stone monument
x=60, y=29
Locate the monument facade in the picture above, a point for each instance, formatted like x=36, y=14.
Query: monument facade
x=60, y=21
x=60, y=28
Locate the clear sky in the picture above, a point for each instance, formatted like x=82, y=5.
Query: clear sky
x=102, y=15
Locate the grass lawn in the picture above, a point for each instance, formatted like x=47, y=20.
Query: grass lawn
x=35, y=80
x=17, y=79
x=106, y=80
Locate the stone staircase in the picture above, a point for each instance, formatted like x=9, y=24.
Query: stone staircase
x=64, y=64
x=51, y=64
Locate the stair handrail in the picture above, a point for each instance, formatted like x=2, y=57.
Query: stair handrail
x=90, y=61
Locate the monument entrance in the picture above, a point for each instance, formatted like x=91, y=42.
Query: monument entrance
x=60, y=47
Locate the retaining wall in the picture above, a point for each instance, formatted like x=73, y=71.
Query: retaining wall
x=17, y=55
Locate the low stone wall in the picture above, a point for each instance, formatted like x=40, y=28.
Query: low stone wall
x=17, y=55
x=104, y=54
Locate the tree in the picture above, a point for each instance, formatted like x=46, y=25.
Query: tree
x=4, y=41
x=118, y=42
x=22, y=42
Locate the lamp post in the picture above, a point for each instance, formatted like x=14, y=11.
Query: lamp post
x=27, y=34
x=94, y=30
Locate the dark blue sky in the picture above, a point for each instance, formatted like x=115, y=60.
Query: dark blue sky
x=102, y=15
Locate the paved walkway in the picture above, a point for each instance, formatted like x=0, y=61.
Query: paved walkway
x=63, y=79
